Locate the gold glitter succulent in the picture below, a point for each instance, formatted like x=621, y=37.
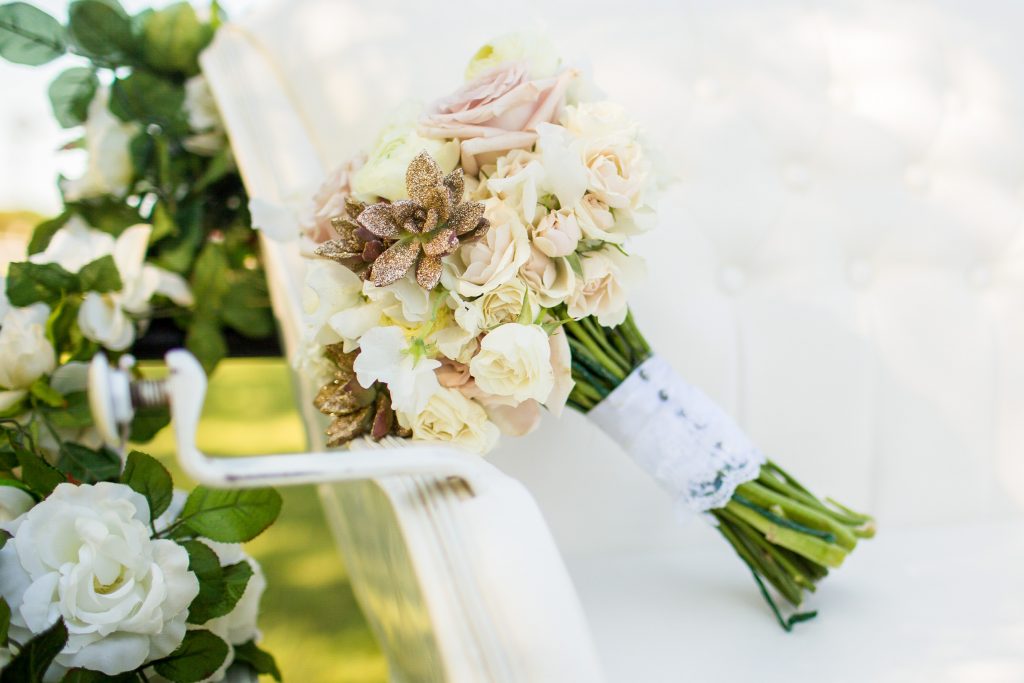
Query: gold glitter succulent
x=355, y=411
x=355, y=247
x=419, y=231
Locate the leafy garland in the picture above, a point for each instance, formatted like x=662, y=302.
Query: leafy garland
x=139, y=77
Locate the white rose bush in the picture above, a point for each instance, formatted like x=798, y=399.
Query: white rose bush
x=477, y=273
x=101, y=577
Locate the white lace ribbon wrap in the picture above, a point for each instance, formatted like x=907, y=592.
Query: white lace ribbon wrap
x=679, y=436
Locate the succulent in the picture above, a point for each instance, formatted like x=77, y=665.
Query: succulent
x=355, y=411
x=421, y=230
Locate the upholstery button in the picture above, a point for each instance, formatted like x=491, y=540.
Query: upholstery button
x=731, y=279
x=979, y=277
x=861, y=273
x=916, y=177
x=796, y=176
x=707, y=89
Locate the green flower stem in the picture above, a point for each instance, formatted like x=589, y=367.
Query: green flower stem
x=798, y=512
x=592, y=369
x=814, y=549
x=764, y=561
x=597, y=333
x=581, y=335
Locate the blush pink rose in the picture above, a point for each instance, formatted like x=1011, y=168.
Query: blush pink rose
x=496, y=112
x=329, y=201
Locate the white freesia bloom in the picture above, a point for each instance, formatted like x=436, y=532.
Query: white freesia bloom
x=514, y=361
x=104, y=317
x=383, y=174
x=385, y=356
x=495, y=258
x=109, y=162
x=518, y=179
x=452, y=418
x=13, y=503
x=330, y=288
x=608, y=274
x=535, y=49
x=25, y=352
x=85, y=555
x=562, y=157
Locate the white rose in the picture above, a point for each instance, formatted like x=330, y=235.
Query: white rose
x=85, y=555
x=495, y=258
x=561, y=365
x=238, y=626
x=452, y=418
x=504, y=305
x=514, y=361
x=203, y=118
x=602, y=290
x=103, y=316
x=25, y=352
x=109, y=163
x=557, y=233
x=535, y=49
x=385, y=356
x=13, y=503
x=551, y=280
x=383, y=174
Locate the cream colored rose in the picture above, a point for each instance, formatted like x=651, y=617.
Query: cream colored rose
x=551, y=280
x=534, y=49
x=608, y=274
x=505, y=304
x=383, y=174
x=495, y=258
x=514, y=361
x=557, y=233
x=25, y=352
x=517, y=179
x=617, y=169
x=561, y=365
x=450, y=417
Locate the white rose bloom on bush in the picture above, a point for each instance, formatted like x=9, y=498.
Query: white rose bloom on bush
x=85, y=554
x=13, y=503
x=109, y=163
x=25, y=352
x=104, y=317
x=515, y=361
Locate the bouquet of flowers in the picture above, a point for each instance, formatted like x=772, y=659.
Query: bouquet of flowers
x=472, y=269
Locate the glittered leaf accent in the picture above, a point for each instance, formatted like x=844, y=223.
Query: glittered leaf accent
x=422, y=175
x=455, y=183
x=347, y=427
x=466, y=217
x=380, y=220
x=428, y=273
x=445, y=241
x=394, y=262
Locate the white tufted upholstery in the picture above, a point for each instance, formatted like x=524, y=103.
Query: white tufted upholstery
x=840, y=263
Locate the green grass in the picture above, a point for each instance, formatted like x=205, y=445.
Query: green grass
x=310, y=619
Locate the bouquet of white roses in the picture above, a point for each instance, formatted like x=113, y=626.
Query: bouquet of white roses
x=473, y=270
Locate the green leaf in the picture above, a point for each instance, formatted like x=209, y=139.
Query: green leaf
x=37, y=474
x=260, y=660
x=4, y=537
x=218, y=167
x=45, y=231
x=73, y=414
x=47, y=394
x=200, y=654
x=575, y=264
x=148, y=421
x=29, y=35
x=203, y=562
x=70, y=95
x=230, y=516
x=107, y=213
x=210, y=277
x=88, y=676
x=62, y=321
x=144, y=474
x=101, y=29
x=32, y=661
x=163, y=223
x=173, y=39
x=147, y=98
x=246, y=306
x=29, y=282
x=100, y=275
x=87, y=465
x=5, y=618
x=206, y=342
x=236, y=578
